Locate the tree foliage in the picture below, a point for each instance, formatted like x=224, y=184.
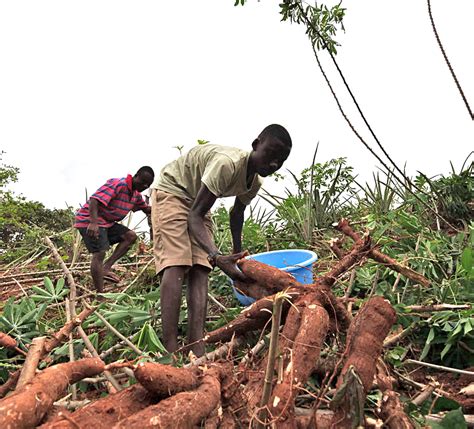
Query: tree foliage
x=321, y=21
x=21, y=219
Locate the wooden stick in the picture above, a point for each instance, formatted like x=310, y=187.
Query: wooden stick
x=21, y=287
x=437, y=307
x=444, y=368
x=10, y=383
x=424, y=394
x=394, y=339
x=348, y=292
x=100, y=379
x=254, y=350
x=114, y=331
x=272, y=352
x=31, y=362
x=72, y=306
x=215, y=301
x=70, y=278
x=15, y=282
x=94, y=353
x=78, y=269
x=110, y=350
x=71, y=348
x=72, y=404
x=217, y=353
x=438, y=392
x=137, y=276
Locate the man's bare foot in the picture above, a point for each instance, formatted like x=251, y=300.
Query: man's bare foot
x=111, y=277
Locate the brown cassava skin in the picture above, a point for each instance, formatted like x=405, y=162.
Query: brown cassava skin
x=228, y=421
x=336, y=310
x=7, y=341
x=274, y=280
x=183, y=410
x=253, y=290
x=233, y=401
x=365, y=338
x=252, y=318
x=105, y=412
x=258, y=314
x=392, y=412
x=166, y=380
x=271, y=278
x=303, y=334
x=363, y=347
x=323, y=420
x=298, y=363
x=27, y=407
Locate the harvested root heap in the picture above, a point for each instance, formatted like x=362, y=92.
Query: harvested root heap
x=258, y=392
x=27, y=407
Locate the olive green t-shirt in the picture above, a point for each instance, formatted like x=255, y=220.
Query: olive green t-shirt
x=222, y=169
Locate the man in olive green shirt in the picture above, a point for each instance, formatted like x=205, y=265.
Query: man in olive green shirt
x=182, y=234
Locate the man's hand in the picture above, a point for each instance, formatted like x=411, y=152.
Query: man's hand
x=228, y=264
x=93, y=230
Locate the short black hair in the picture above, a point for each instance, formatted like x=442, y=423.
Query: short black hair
x=278, y=132
x=145, y=170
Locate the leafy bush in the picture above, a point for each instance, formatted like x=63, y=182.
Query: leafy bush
x=454, y=195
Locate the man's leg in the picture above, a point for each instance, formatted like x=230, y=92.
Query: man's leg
x=170, y=300
x=121, y=249
x=196, y=297
x=97, y=270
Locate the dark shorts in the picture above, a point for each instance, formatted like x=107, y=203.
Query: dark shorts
x=107, y=236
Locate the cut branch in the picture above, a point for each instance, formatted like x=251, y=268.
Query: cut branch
x=115, y=386
x=437, y=307
x=63, y=334
x=380, y=257
x=30, y=366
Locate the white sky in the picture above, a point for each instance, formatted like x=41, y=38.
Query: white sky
x=95, y=89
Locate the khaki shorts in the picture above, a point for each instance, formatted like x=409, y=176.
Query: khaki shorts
x=172, y=243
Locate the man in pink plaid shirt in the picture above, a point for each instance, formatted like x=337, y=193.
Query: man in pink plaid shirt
x=97, y=221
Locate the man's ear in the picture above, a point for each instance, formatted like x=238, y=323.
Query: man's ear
x=255, y=143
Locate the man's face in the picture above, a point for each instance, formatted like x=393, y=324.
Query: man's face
x=269, y=155
x=142, y=182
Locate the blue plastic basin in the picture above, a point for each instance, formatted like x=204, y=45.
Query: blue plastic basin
x=297, y=262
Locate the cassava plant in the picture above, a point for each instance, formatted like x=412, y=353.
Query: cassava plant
x=324, y=193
